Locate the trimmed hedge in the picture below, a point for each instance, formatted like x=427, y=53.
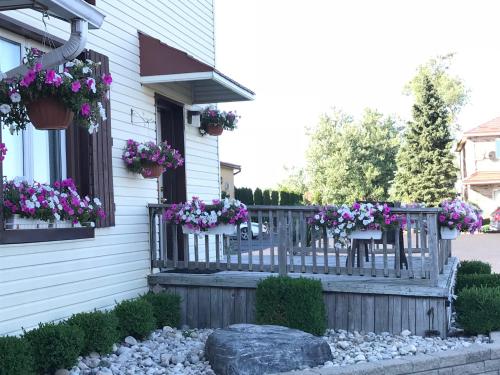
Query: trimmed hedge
x=468, y=267
x=166, y=308
x=478, y=309
x=135, y=318
x=100, y=331
x=15, y=356
x=477, y=280
x=291, y=302
x=55, y=346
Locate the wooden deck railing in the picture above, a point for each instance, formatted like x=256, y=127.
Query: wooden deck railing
x=282, y=241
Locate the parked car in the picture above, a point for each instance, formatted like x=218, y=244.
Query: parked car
x=255, y=230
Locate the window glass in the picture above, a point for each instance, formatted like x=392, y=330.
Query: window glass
x=10, y=57
x=34, y=154
x=497, y=144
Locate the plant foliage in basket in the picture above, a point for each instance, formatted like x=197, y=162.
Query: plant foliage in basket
x=457, y=214
x=200, y=217
x=215, y=117
x=58, y=202
x=76, y=86
x=141, y=157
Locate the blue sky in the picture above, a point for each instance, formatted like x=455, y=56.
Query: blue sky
x=304, y=57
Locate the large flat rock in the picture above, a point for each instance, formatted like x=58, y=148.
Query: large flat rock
x=247, y=349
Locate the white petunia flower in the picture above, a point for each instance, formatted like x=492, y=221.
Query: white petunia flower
x=15, y=97
x=97, y=201
x=4, y=108
x=102, y=111
x=68, y=75
x=70, y=64
x=86, y=70
x=57, y=216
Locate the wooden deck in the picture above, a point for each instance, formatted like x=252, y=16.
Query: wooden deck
x=401, y=283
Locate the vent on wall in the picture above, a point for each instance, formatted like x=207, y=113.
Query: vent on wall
x=492, y=155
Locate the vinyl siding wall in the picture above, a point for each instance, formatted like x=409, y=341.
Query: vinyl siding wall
x=50, y=281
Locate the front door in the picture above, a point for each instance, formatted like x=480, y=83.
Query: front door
x=173, y=183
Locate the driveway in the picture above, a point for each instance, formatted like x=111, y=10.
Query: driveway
x=485, y=247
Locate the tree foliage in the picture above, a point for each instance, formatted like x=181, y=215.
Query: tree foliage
x=426, y=170
x=258, y=197
x=451, y=89
x=295, y=182
x=350, y=160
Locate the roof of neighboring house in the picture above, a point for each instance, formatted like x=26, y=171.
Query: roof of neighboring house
x=483, y=178
x=488, y=129
x=230, y=165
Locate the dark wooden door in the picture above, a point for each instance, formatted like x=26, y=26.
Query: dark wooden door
x=171, y=117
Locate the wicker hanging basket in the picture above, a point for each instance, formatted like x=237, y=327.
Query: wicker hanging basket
x=214, y=129
x=49, y=114
x=153, y=171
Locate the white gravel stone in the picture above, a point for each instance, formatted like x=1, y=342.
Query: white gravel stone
x=130, y=340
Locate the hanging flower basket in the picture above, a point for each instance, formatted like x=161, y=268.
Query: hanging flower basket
x=368, y=234
x=214, y=121
x=214, y=129
x=150, y=159
x=49, y=114
x=51, y=99
x=153, y=171
x=448, y=234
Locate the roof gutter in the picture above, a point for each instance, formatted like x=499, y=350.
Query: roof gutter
x=68, y=51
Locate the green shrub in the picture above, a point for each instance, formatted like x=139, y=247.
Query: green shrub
x=166, y=308
x=135, y=318
x=100, y=331
x=485, y=228
x=291, y=302
x=266, y=197
x=55, y=346
x=477, y=280
x=275, y=198
x=478, y=309
x=468, y=267
x=258, y=197
x=15, y=357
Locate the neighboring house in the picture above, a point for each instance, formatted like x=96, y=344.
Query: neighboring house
x=162, y=58
x=227, y=173
x=479, y=155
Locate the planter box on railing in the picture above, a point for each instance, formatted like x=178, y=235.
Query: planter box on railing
x=227, y=229
x=449, y=234
x=366, y=234
x=17, y=222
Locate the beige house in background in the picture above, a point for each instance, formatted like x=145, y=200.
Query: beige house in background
x=479, y=155
x=227, y=173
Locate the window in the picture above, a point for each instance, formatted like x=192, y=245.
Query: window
x=497, y=144
x=36, y=155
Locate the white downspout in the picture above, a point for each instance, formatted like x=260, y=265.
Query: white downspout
x=68, y=51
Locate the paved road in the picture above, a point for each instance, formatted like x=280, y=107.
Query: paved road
x=485, y=247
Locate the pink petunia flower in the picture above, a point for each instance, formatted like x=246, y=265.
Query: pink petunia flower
x=85, y=110
x=75, y=86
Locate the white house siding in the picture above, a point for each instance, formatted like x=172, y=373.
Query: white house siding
x=50, y=281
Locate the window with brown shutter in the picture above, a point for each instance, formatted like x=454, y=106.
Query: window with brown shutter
x=89, y=163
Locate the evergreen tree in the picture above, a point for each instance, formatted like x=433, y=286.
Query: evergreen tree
x=267, y=197
x=275, y=198
x=258, y=197
x=426, y=169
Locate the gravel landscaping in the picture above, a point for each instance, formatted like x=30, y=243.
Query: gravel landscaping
x=172, y=351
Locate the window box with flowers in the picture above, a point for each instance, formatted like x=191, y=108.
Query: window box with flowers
x=458, y=216
x=150, y=159
x=52, y=99
x=41, y=206
x=196, y=217
x=214, y=121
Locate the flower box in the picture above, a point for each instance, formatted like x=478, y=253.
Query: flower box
x=448, y=234
x=369, y=234
x=17, y=222
x=66, y=224
x=227, y=229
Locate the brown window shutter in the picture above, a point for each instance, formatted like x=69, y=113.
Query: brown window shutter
x=89, y=159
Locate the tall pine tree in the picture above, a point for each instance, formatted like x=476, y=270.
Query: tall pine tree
x=426, y=168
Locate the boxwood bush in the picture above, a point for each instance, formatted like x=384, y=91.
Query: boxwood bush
x=477, y=280
x=55, y=346
x=478, y=309
x=166, y=308
x=15, y=357
x=291, y=302
x=135, y=318
x=468, y=267
x=100, y=330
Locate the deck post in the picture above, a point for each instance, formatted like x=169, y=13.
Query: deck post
x=282, y=240
x=433, y=247
x=152, y=236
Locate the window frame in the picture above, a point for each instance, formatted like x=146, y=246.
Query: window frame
x=21, y=236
